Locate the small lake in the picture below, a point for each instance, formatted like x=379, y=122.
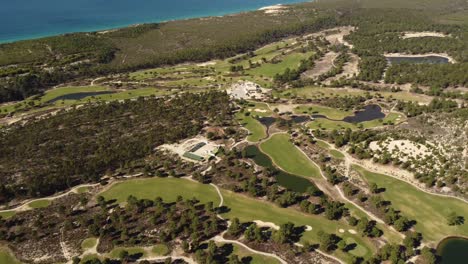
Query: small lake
x=369, y=113
x=289, y=181
x=454, y=250
x=418, y=60
x=300, y=119
x=78, y=96
x=267, y=120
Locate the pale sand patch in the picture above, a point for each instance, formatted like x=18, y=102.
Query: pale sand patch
x=260, y=110
x=423, y=34
x=266, y=224
x=341, y=230
x=407, y=147
x=208, y=63
x=308, y=228
x=273, y=9
x=445, y=55
x=352, y=231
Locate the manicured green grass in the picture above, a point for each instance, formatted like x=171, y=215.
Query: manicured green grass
x=430, y=211
x=88, y=243
x=252, y=258
x=7, y=258
x=256, y=129
x=325, y=124
x=160, y=250
x=166, y=188
x=286, y=156
x=242, y=207
x=336, y=154
x=249, y=209
x=82, y=190
x=7, y=214
x=323, y=144
x=115, y=253
x=291, y=61
x=39, y=204
x=89, y=257
x=331, y=113
x=320, y=92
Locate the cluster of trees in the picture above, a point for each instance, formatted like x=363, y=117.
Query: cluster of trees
x=434, y=75
x=52, y=154
x=411, y=108
x=290, y=75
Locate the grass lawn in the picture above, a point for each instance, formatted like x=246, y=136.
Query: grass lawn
x=291, y=61
x=88, y=243
x=325, y=124
x=7, y=258
x=250, y=257
x=336, y=154
x=286, y=156
x=242, y=207
x=131, y=251
x=39, y=204
x=249, y=209
x=82, y=190
x=160, y=250
x=7, y=214
x=428, y=210
x=320, y=92
x=166, y=188
x=256, y=129
x=331, y=113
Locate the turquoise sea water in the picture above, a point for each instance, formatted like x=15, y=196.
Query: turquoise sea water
x=26, y=19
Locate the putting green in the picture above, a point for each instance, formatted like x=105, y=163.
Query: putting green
x=430, y=211
x=286, y=156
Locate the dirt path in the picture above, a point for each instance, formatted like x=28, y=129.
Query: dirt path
x=221, y=239
x=25, y=205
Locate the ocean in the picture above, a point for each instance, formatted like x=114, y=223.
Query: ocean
x=28, y=19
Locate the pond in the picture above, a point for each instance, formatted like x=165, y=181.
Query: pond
x=454, y=250
x=78, y=96
x=300, y=119
x=289, y=181
x=267, y=121
x=418, y=60
x=370, y=112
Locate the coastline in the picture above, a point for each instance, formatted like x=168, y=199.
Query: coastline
x=102, y=27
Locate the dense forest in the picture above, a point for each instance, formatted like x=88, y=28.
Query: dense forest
x=76, y=146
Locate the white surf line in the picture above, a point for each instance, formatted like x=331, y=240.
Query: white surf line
x=221, y=239
x=24, y=206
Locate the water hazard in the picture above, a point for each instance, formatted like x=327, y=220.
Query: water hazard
x=289, y=181
x=454, y=250
x=370, y=112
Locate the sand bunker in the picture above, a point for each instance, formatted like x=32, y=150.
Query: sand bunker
x=266, y=224
x=308, y=228
x=352, y=231
x=341, y=230
x=423, y=34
